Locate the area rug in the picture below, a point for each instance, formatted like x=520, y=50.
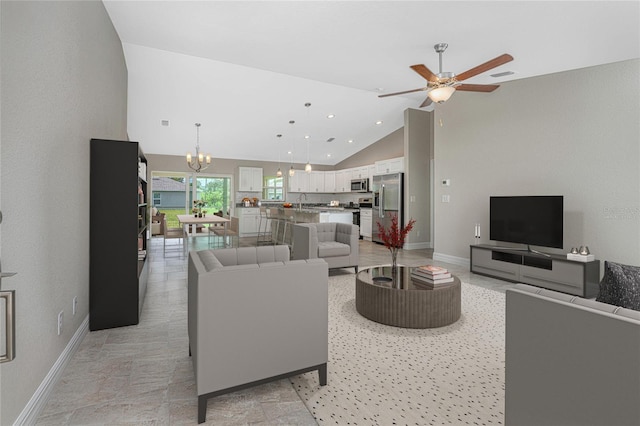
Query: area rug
x=383, y=375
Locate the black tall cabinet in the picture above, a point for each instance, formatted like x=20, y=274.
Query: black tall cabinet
x=118, y=215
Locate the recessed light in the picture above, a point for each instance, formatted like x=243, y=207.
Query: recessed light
x=331, y=139
x=331, y=116
x=328, y=155
x=289, y=152
x=306, y=136
x=350, y=141
x=379, y=122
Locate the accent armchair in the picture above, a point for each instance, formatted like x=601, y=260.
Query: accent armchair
x=255, y=316
x=336, y=243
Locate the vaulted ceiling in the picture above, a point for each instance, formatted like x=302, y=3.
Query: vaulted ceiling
x=245, y=69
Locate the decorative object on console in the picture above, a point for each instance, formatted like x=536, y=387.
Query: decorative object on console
x=620, y=286
x=581, y=255
x=393, y=239
x=198, y=162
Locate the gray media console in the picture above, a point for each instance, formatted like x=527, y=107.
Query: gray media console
x=554, y=272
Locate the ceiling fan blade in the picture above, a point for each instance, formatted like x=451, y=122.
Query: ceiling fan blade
x=402, y=93
x=495, y=62
x=424, y=72
x=426, y=102
x=477, y=87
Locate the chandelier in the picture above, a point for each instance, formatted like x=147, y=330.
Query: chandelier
x=200, y=161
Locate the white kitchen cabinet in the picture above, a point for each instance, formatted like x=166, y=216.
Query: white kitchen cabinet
x=250, y=179
x=372, y=173
x=392, y=165
x=343, y=180
x=316, y=181
x=299, y=182
x=360, y=172
x=330, y=181
x=366, y=223
x=248, y=220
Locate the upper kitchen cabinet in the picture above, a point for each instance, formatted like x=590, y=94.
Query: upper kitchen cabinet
x=316, y=182
x=392, y=165
x=250, y=179
x=343, y=180
x=330, y=181
x=299, y=182
x=360, y=172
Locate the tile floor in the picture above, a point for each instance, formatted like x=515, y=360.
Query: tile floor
x=143, y=374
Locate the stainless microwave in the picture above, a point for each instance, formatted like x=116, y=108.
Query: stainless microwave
x=360, y=185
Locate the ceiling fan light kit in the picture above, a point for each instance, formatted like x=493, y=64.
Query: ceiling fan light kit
x=441, y=86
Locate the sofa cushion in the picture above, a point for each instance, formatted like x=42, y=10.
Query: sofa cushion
x=332, y=249
x=620, y=286
x=326, y=231
x=209, y=260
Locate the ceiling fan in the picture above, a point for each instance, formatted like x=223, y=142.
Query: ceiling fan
x=441, y=86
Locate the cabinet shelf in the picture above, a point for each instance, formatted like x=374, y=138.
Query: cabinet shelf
x=118, y=228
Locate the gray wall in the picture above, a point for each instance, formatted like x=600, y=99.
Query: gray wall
x=391, y=146
x=574, y=133
x=418, y=148
x=63, y=81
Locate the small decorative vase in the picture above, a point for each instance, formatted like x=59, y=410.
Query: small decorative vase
x=394, y=259
x=199, y=214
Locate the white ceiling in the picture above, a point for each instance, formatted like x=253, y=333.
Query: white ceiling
x=245, y=68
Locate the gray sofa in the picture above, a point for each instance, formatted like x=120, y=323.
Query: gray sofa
x=255, y=316
x=337, y=243
x=569, y=360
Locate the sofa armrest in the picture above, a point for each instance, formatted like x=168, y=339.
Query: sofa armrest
x=305, y=241
x=569, y=361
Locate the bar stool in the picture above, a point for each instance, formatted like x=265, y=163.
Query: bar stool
x=289, y=220
x=264, y=233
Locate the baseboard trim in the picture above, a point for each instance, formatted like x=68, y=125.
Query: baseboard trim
x=417, y=246
x=36, y=404
x=455, y=260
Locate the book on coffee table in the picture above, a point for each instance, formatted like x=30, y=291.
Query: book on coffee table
x=431, y=269
x=431, y=281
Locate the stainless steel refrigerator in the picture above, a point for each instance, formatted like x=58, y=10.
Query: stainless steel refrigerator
x=388, y=200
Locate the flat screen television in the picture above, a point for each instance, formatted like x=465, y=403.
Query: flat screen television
x=533, y=220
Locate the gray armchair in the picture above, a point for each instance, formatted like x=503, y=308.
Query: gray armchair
x=254, y=316
x=336, y=243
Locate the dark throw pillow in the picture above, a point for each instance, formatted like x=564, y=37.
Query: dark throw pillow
x=620, y=286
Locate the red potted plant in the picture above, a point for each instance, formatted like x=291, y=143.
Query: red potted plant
x=394, y=237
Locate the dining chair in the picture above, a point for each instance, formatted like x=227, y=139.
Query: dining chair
x=172, y=233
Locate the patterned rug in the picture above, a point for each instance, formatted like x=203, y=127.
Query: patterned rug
x=383, y=375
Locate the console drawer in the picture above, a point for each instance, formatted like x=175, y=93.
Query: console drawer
x=482, y=263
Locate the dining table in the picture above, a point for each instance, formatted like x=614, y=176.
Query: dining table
x=187, y=220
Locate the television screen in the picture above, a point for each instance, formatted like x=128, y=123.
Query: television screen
x=532, y=220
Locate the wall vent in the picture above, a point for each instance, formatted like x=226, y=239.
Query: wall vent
x=165, y=122
x=331, y=139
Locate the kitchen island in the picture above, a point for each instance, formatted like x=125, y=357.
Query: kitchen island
x=282, y=218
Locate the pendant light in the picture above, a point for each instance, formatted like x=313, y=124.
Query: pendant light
x=200, y=161
x=307, y=167
x=279, y=172
x=291, y=171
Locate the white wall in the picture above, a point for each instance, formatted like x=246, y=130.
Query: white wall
x=63, y=81
x=575, y=134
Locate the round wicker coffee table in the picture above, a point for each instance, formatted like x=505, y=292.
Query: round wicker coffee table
x=399, y=301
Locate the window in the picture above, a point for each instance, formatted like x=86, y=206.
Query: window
x=273, y=188
x=157, y=199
